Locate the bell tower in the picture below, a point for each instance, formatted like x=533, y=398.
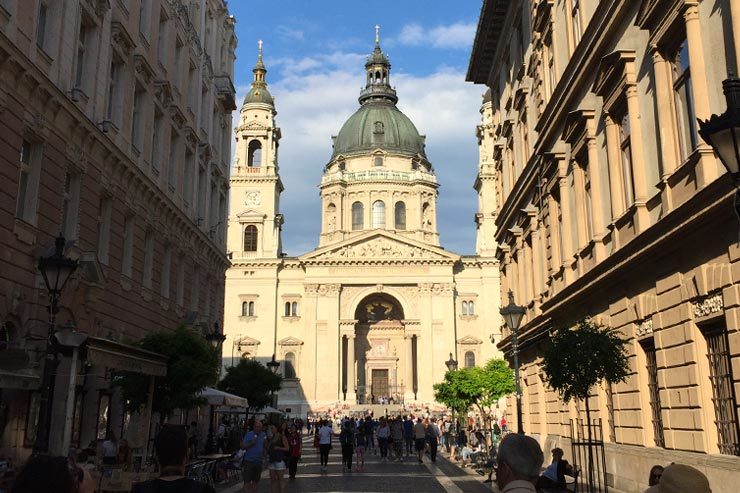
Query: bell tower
x=255, y=221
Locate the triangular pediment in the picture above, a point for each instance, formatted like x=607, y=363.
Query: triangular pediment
x=380, y=244
x=254, y=125
x=250, y=214
x=246, y=341
x=290, y=341
x=470, y=340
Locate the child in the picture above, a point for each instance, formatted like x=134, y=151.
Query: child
x=360, y=450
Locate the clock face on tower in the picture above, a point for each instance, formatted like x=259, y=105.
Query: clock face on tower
x=252, y=198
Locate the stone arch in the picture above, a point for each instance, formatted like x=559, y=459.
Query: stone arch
x=377, y=307
x=353, y=303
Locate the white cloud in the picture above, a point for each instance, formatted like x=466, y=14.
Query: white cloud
x=289, y=33
x=459, y=35
x=312, y=105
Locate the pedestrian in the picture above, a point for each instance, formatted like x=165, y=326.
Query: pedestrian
x=360, y=449
x=519, y=461
x=433, y=434
x=496, y=432
x=679, y=478
x=294, y=454
x=384, y=433
x=504, y=429
x=124, y=457
x=554, y=475
x=110, y=449
x=276, y=451
x=420, y=435
x=255, y=445
x=655, y=473
x=397, y=437
x=193, y=439
x=408, y=433
x=221, y=437
x=172, y=446
x=324, y=433
x=370, y=426
x=347, y=441
x=47, y=474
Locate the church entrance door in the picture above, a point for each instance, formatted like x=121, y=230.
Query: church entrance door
x=380, y=384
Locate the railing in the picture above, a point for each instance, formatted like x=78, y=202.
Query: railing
x=390, y=394
x=368, y=175
x=588, y=456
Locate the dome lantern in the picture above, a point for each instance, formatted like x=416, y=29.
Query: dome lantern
x=259, y=93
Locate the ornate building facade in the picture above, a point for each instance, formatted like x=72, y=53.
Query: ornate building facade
x=115, y=125
x=373, y=313
x=611, y=207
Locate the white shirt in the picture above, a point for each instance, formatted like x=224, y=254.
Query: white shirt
x=325, y=435
x=519, y=486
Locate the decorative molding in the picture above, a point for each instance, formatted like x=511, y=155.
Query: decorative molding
x=380, y=247
x=644, y=328
x=708, y=305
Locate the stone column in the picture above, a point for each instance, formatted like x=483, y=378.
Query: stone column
x=668, y=144
x=597, y=200
x=579, y=182
x=706, y=169
x=567, y=219
x=351, y=378
x=613, y=153
x=639, y=171
x=408, y=379
x=341, y=367
x=557, y=254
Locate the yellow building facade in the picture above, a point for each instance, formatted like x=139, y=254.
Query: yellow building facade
x=372, y=314
x=610, y=206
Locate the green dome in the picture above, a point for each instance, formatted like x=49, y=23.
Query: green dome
x=378, y=125
x=259, y=94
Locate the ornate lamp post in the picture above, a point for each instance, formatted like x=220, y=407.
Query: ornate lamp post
x=215, y=339
x=56, y=269
x=451, y=365
x=513, y=315
x=274, y=366
x=722, y=132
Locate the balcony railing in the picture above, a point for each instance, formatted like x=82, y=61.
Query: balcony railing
x=381, y=174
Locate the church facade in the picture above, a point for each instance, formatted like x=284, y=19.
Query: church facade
x=374, y=312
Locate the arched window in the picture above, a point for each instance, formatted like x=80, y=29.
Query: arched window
x=290, y=365
x=254, y=155
x=400, y=215
x=358, y=212
x=287, y=308
x=250, y=238
x=331, y=217
x=251, y=309
x=377, y=76
x=464, y=307
x=471, y=308
x=469, y=359
x=378, y=214
x=294, y=309
x=246, y=355
x=245, y=309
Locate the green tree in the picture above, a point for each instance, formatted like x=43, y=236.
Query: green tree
x=192, y=364
x=251, y=380
x=479, y=387
x=579, y=358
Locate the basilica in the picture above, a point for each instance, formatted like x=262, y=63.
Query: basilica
x=376, y=310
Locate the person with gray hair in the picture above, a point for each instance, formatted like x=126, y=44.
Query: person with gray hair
x=519, y=462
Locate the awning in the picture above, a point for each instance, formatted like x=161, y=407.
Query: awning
x=220, y=398
x=268, y=410
x=112, y=354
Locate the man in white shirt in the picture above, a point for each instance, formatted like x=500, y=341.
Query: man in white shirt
x=324, y=433
x=519, y=462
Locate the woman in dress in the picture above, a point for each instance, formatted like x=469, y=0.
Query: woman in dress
x=276, y=452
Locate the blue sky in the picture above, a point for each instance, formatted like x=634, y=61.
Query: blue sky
x=315, y=52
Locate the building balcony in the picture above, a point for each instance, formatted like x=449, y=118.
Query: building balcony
x=225, y=92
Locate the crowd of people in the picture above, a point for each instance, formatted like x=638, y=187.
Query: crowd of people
x=517, y=459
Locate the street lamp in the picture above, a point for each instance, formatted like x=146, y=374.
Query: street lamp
x=215, y=339
x=451, y=364
x=722, y=132
x=56, y=269
x=274, y=366
x=513, y=314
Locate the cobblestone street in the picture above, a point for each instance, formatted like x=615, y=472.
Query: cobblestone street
x=406, y=476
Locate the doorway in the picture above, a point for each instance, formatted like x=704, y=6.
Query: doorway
x=380, y=384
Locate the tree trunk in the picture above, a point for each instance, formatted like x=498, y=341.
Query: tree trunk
x=591, y=486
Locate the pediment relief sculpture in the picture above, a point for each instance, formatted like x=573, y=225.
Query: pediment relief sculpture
x=380, y=247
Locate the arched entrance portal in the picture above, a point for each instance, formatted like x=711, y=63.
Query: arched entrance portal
x=380, y=366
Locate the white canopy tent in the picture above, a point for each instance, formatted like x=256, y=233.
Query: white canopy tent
x=217, y=397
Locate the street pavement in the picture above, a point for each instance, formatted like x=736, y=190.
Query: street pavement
x=407, y=476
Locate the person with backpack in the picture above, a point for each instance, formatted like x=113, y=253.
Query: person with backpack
x=347, y=440
x=171, y=446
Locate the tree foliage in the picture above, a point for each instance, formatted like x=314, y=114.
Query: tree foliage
x=192, y=364
x=480, y=387
x=251, y=380
x=579, y=358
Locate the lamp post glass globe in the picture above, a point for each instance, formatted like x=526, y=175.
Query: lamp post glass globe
x=273, y=365
x=215, y=338
x=451, y=364
x=722, y=132
x=512, y=313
